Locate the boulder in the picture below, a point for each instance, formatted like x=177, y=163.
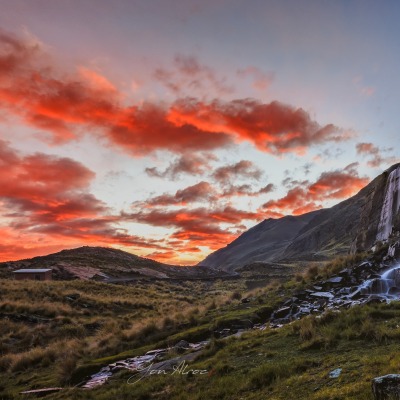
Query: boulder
x=282, y=312
x=182, y=345
x=386, y=387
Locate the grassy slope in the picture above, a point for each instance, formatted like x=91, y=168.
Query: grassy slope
x=69, y=323
x=290, y=363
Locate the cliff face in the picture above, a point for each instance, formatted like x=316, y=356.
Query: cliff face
x=351, y=226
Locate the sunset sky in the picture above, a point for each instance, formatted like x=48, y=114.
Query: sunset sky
x=166, y=128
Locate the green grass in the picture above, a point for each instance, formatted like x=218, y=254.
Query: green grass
x=106, y=323
x=275, y=364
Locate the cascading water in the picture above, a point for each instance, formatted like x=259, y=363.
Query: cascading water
x=391, y=205
x=387, y=285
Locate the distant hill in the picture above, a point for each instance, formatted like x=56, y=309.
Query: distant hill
x=107, y=264
x=350, y=226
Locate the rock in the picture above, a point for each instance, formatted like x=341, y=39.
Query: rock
x=394, y=290
x=397, y=277
x=323, y=295
x=355, y=295
x=282, y=312
x=183, y=345
x=375, y=300
x=345, y=272
x=335, y=279
x=344, y=290
x=72, y=297
x=386, y=387
x=335, y=373
x=365, y=264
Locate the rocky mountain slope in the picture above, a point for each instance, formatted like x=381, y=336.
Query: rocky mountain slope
x=107, y=264
x=350, y=226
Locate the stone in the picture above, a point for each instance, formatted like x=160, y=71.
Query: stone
x=365, y=264
x=386, y=387
x=394, y=290
x=335, y=373
x=375, y=300
x=182, y=345
x=355, y=295
x=282, y=312
x=335, y=279
x=324, y=295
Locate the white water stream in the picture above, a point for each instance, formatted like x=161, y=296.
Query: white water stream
x=391, y=205
x=387, y=285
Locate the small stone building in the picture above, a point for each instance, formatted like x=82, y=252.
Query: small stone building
x=43, y=274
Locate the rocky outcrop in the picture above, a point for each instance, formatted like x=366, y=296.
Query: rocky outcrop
x=386, y=387
x=365, y=283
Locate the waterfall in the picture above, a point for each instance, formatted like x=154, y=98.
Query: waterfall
x=387, y=285
x=391, y=205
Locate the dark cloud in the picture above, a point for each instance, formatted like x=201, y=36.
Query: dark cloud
x=201, y=191
x=193, y=164
x=188, y=75
x=242, y=169
x=377, y=159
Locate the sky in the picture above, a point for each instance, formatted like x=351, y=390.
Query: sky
x=168, y=128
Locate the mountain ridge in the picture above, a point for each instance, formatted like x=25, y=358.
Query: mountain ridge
x=104, y=263
x=348, y=227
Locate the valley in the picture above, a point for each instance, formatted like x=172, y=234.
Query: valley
x=302, y=320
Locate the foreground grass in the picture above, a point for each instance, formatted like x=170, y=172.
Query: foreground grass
x=281, y=364
x=48, y=329
x=82, y=326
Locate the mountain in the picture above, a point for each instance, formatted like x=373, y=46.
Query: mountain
x=354, y=225
x=107, y=264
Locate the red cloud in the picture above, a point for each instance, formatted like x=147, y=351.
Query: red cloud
x=69, y=106
x=47, y=206
x=200, y=226
x=66, y=106
x=273, y=127
x=309, y=196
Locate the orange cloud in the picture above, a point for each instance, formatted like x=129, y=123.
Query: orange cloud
x=200, y=226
